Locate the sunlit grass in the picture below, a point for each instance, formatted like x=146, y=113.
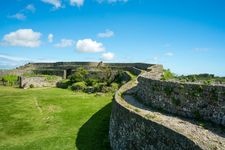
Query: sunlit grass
x=51, y=118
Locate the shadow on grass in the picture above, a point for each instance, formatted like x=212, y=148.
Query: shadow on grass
x=94, y=133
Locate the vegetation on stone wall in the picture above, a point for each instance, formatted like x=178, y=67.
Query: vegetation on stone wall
x=9, y=80
x=81, y=80
x=79, y=86
x=64, y=84
x=202, y=78
x=79, y=75
x=167, y=74
x=206, y=79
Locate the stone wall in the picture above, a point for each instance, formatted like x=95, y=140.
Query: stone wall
x=129, y=129
x=49, y=72
x=31, y=82
x=67, y=65
x=134, y=70
x=206, y=102
x=59, y=68
x=3, y=72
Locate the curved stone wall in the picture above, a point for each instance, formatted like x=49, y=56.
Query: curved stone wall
x=134, y=125
x=130, y=130
x=205, y=102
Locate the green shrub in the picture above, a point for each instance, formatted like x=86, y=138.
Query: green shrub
x=91, y=82
x=31, y=86
x=191, y=78
x=167, y=74
x=99, y=87
x=109, y=75
x=115, y=86
x=122, y=77
x=79, y=75
x=207, y=82
x=64, y=84
x=78, y=86
x=111, y=88
x=9, y=80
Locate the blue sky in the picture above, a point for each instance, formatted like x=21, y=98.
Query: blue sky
x=186, y=36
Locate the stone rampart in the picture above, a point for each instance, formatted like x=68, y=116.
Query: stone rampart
x=38, y=81
x=135, y=122
x=130, y=129
x=192, y=100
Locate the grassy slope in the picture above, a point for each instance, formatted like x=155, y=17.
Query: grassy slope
x=53, y=119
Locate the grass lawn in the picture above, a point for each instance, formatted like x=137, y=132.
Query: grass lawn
x=53, y=119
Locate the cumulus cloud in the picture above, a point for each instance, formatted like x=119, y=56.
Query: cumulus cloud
x=108, y=56
x=18, y=16
x=50, y=38
x=31, y=8
x=107, y=34
x=23, y=37
x=89, y=46
x=76, y=2
x=65, y=43
x=55, y=3
x=169, y=54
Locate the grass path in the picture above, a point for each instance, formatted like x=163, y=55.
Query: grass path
x=53, y=118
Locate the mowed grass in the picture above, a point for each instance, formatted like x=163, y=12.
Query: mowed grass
x=53, y=119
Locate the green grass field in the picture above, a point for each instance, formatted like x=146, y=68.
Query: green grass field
x=53, y=119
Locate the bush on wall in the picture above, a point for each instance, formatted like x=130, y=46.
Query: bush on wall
x=9, y=80
x=78, y=86
x=64, y=84
x=79, y=75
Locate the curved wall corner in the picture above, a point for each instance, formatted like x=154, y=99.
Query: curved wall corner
x=129, y=130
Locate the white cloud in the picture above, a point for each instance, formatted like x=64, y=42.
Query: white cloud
x=21, y=14
x=106, y=34
x=12, y=58
x=169, y=54
x=108, y=56
x=65, y=43
x=31, y=8
x=55, y=3
x=89, y=46
x=23, y=37
x=18, y=16
x=9, y=62
x=76, y=2
x=50, y=38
